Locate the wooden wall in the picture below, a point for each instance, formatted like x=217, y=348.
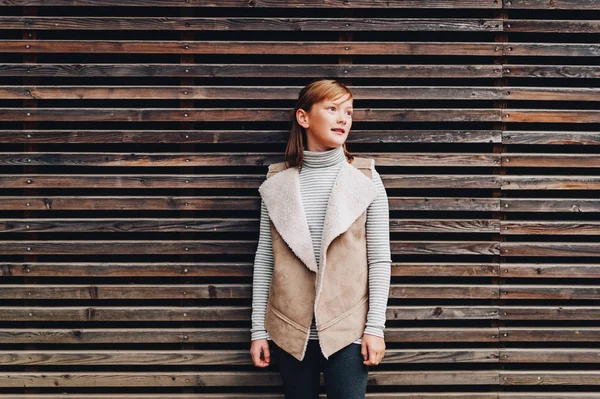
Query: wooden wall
x=134, y=135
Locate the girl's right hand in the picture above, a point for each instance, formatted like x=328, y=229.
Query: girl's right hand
x=257, y=348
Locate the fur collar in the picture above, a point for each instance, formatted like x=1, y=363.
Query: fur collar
x=351, y=195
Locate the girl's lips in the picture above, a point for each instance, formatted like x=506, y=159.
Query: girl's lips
x=339, y=131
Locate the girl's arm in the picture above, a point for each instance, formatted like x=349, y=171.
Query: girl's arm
x=379, y=258
x=261, y=279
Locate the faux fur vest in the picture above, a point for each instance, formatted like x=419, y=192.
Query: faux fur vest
x=337, y=289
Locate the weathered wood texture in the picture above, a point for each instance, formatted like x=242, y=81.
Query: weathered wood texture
x=134, y=135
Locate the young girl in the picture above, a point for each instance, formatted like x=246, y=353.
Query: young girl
x=322, y=266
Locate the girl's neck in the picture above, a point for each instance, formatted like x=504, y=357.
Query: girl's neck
x=323, y=159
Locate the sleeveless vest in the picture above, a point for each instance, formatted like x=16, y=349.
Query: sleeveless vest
x=336, y=290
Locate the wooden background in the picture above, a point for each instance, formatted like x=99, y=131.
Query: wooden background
x=134, y=135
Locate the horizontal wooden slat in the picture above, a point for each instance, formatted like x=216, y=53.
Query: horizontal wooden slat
x=552, y=71
x=554, y=249
x=549, y=313
x=240, y=136
x=551, y=116
x=550, y=270
x=272, y=47
x=548, y=26
x=538, y=355
x=222, y=225
x=229, y=247
x=550, y=137
x=237, y=378
x=551, y=182
x=276, y=93
x=550, y=334
x=219, y=269
x=290, y=93
x=257, y=70
x=412, y=395
x=571, y=292
x=238, y=181
x=578, y=205
x=552, y=49
x=264, y=3
x=232, y=24
x=553, y=5
x=240, y=114
x=240, y=203
x=551, y=160
x=220, y=335
x=215, y=159
x=547, y=377
x=221, y=291
x=221, y=313
x=225, y=357
x=552, y=227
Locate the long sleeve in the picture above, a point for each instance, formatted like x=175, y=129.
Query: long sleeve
x=379, y=258
x=261, y=280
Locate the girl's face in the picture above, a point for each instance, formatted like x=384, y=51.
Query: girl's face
x=327, y=124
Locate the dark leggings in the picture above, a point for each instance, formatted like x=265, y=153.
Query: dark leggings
x=344, y=373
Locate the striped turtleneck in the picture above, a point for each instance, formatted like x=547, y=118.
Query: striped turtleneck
x=317, y=175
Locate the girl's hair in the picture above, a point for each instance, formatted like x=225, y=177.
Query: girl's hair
x=312, y=93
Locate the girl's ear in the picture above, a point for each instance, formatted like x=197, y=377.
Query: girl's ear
x=302, y=118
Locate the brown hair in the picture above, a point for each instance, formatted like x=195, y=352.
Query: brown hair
x=312, y=93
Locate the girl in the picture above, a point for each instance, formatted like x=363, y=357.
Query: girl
x=322, y=265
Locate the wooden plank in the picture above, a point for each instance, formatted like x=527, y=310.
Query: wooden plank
x=551, y=116
x=550, y=334
x=438, y=395
x=236, y=378
x=552, y=49
x=551, y=227
x=552, y=71
x=234, y=24
x=550, y=270
x=549, y=313
x=553, y=5
x=550, y=249
x=229, y=203
x=221, y=269
x=435, y=225
x=442, y=247
x=216, y=291
x=551, y=93
x=550, y=377
x=273, y=47
x=114, y=247
x=444, y=269
x=549, y=355
x=552, y=26
x=550, y=182
x=578, y=205
x=226, y=159
x=570, y=292
x=219, y=335
x=133, y=225
x=255, y=92
x=240, y=114
x=221, y=313
x=264, y=3
x=240, y=136
x=237, y=181
x=220, y=357
x=472, y=204
x=410, y=291
x=552, y=138
x=236, y=70
x=551, y=160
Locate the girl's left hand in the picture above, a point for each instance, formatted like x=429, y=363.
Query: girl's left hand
x=373, y=349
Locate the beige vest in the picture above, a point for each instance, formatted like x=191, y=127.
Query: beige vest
x=337, y=289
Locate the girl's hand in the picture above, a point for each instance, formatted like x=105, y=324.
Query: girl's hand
x=373, y=349
x=257, y=348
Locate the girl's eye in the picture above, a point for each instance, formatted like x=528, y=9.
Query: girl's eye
x=350, y=113
x=332, y=108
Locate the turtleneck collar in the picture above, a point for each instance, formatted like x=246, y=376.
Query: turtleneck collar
x=323, y=159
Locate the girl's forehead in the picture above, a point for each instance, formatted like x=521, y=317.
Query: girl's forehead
x=340, y=100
